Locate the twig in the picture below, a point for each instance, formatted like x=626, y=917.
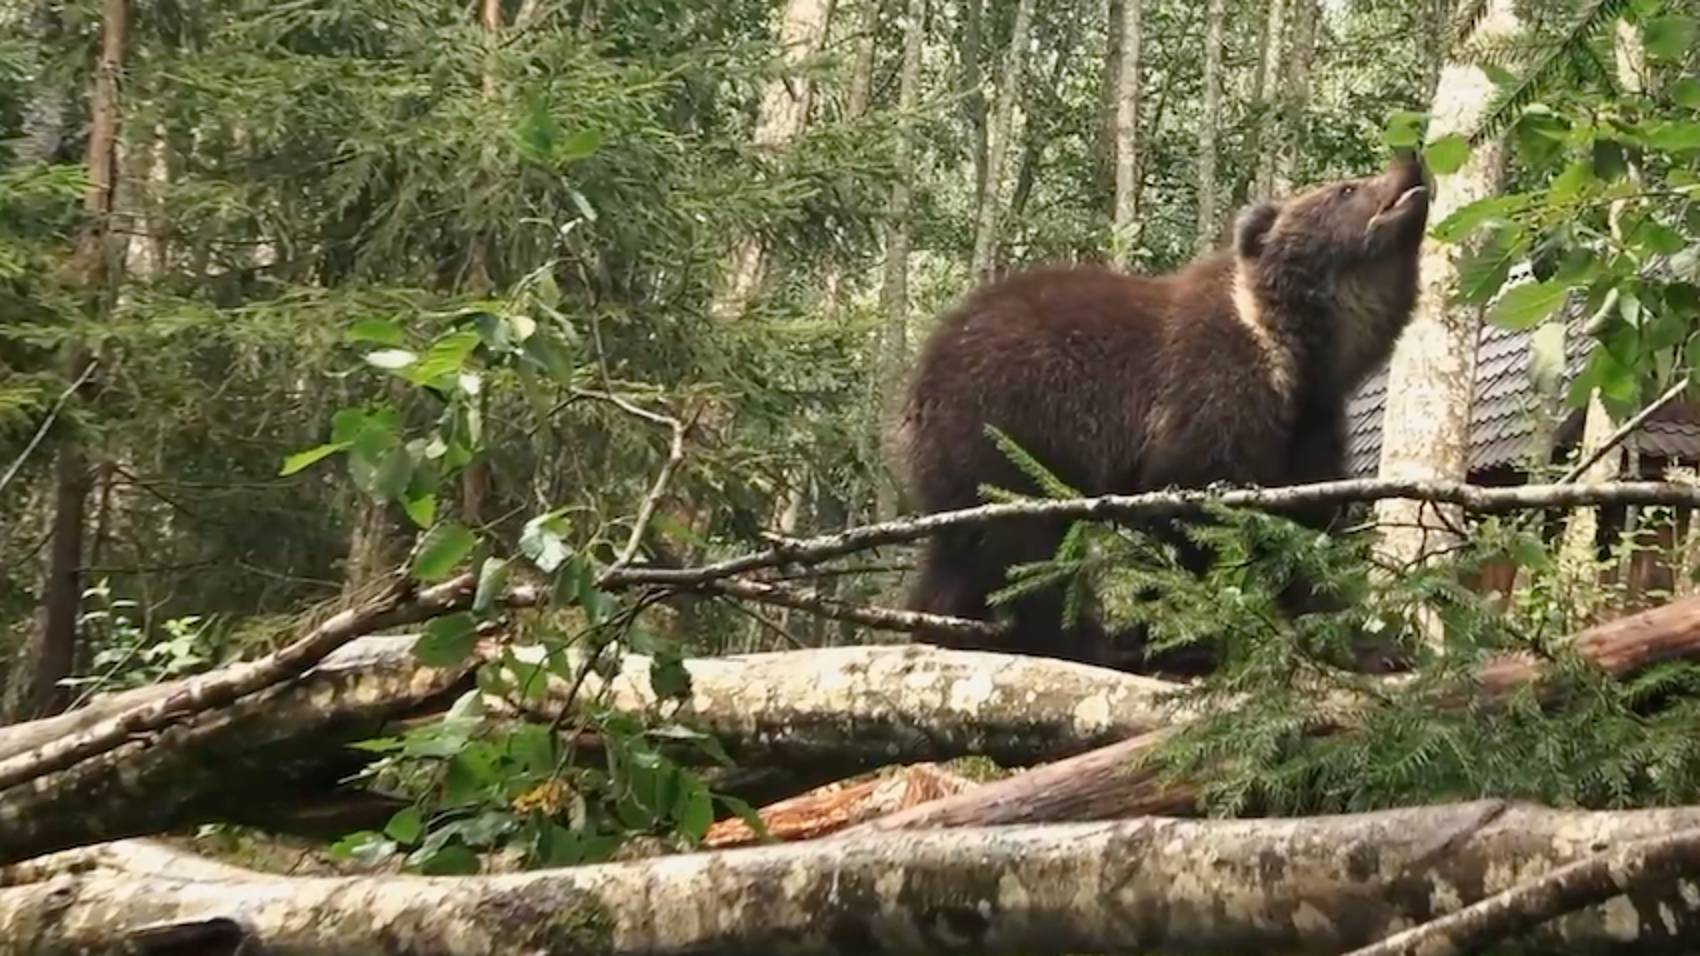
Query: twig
x=1164, y=504
x=646, y=511
x=46, y=423
x=1623, y=431
x=1566, y=889
x=885, y=619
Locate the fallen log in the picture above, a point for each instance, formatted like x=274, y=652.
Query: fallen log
x=821, y=714
x=1123, y=779
x=1317, y=885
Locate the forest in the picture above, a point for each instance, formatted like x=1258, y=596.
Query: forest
x=477, y=477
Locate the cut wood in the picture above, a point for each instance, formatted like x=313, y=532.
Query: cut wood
x=840, y=804
x=1319, y=885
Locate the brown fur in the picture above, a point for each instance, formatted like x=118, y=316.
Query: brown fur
x=1234, y=369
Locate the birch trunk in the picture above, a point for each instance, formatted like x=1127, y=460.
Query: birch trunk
x=1431, y=375
x=1211, y=115
x=894, y=287
x=784, y=108
x=862, y=72
x=986, y=226
x=974, y=98
x=50, y=651
x=1126, y=220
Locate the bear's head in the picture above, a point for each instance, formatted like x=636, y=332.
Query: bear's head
x=1343, y=254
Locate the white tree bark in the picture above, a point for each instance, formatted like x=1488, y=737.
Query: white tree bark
x=998, y=138
x=784, y=109
x=1431, y=376
x=1319, y=885
x=1210, y=116
x=1275, y=167
x=1265, y=74
x=1127, y=164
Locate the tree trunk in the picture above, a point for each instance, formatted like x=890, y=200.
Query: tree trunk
x=50, y=654
x=1264, y=74
x=1431, y=375
x=1009, y=91
x=1215, y=12
x=974, y=97
x=1310, y=885
x=1275, y=167
x=1126, y=219
x=894, y=286
x=862, y=72
x=784, y=108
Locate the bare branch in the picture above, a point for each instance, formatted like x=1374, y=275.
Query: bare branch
x=1475, y=498
x=885, y=619
x=47, y=423
x=1624, y=431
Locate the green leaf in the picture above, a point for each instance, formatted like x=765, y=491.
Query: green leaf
x=669, y=678
x=456, y=859
x=693, y=809
x=1686, y=92
x=377, y=331
x=1570, y=183
x=543, y=541
x=1527, y=306
x=1483, y=271
x=421, y=509
x=579, y=145
x=1447, y=154
x=405, y=826
x=1674, y=136
x=492, y=580
x=302, y=459
x=1610, y=163
x=444, y=358
x=1404, y=129
x=1465, y=219
x=1669, y=37
x=395, y=472
x=447, y=641
x=390, y=359
x=443, y=548
x=550, y=353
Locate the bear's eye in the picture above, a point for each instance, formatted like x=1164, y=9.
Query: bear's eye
x=1347, y=190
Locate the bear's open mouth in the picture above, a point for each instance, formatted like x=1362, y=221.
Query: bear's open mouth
x=1405, y=201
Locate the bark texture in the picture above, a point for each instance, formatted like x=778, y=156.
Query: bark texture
x=1209, y=117
x=1126, y=218
x=1316, y=885
x=1003, y=118
x=49, y=654
x=1431, y=375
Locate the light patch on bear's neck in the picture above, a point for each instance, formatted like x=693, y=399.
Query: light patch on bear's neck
x=1250, y=311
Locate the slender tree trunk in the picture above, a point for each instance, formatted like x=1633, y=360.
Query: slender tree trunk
x=51, y=652
x=986, y=228
x=1126, y=219
x=862, y=72
x=1275, y=167
x=1431, y=375
x=1036, y=134
x=1104, y=142
x=894, y=289
x=974, y=98
x=1211, y=116
x=1264, y=74
x=785, y=102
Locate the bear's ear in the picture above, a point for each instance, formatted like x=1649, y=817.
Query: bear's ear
x=1253, y=227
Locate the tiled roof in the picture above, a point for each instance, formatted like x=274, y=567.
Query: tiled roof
x=1502, y=412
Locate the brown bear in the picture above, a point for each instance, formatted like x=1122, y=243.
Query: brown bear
x=1234, y=369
